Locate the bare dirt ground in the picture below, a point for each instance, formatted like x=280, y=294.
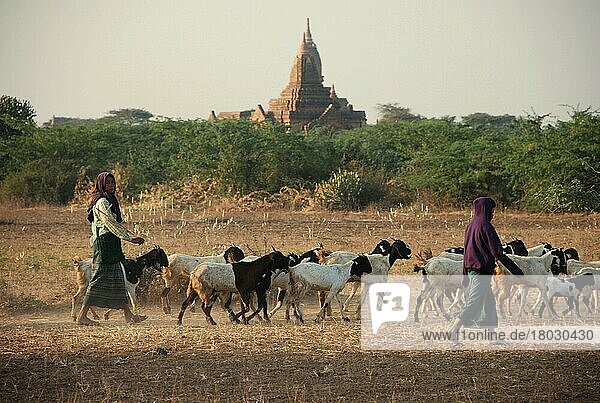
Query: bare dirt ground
x=45, y=357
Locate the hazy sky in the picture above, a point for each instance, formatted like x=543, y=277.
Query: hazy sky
x=183, y=59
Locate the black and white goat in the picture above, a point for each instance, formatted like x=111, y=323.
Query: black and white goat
x=571, y=288
x=132, y=272
x=514, y=247
x=282, y=280
x=380, y=262
x=380, y=266
x=332, y=278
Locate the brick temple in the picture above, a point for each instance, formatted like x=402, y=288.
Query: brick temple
x=305, y=103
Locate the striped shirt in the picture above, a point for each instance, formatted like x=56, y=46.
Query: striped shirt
x=105, y=221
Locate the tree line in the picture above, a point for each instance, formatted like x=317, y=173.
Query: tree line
x=522, y=162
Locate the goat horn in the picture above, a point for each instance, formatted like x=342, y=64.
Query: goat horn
x=274, y=250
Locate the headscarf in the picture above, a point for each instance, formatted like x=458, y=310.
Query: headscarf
x=482, y=243
x=100, y=192
x=482, y=208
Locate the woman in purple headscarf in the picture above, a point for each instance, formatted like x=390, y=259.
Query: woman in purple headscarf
x=107, y=286
x=482, y=249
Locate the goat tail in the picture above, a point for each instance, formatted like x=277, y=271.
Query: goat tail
x=192, y=285
x=296, y=286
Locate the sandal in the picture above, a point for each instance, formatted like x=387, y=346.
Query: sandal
x=138, y=318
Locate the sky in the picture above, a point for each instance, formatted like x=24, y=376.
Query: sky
x=182, y=59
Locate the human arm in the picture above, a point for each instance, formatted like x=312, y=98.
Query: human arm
x=496, y=249
x=509, y=264
x=108, y=221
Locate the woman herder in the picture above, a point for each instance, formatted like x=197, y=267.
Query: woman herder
x=107, y=286
x=482, y=249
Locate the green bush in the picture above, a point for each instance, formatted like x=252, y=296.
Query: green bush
x=564, y=197
x=524, y=164
x=40, y=182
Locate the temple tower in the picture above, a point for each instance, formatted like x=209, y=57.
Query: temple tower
x=305, y=102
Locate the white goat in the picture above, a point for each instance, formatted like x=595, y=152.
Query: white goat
x=539, y=250
x=380, y=265
x=536, y=270
x=313, y=276
x=573, y=266
x=207, y=280
x=435, y=286
x=453, y=256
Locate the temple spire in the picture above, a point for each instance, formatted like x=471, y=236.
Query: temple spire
x=332, y=93
x=307, y=35
x=305, y=101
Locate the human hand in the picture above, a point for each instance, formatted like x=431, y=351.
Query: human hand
x=138, y=240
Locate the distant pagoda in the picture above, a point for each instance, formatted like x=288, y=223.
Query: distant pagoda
x=305, y=102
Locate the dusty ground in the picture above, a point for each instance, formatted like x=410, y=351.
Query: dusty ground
x=44, y=356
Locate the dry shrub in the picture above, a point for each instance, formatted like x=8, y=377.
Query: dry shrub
x=287, y=198
x=83, y=188
x=84, y=185
x=150, y=287
x=194, y=191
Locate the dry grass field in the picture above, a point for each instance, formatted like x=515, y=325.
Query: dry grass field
x=44, y=356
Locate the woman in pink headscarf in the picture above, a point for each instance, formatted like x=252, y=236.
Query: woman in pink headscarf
x=107, y=286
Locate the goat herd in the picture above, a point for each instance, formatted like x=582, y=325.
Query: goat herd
x=553, y=271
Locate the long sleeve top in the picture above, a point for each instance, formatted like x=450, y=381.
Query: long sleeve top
x=482, y=244
x=105, y=221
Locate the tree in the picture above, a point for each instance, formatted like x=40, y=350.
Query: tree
x=395, y=113
x=16, y=116
x=129, y=116
x=480, y=119
x=17, y=109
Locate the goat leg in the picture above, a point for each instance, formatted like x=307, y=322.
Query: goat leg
x=164, y=300
x=245, y=302
x=339, y=300
x=192, y=295
x=280, y=300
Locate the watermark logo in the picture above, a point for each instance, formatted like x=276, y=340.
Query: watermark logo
x=389, y=303
x=422, y=309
